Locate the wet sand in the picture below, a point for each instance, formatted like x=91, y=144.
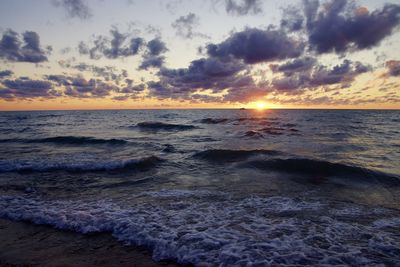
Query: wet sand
x=25, y=244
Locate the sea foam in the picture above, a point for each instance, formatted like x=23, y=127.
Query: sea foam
x=225, y=232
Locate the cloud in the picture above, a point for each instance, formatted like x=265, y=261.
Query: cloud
x=340, y=25
x=58, y=79
x=358, y=99
x=108, y=73
x=6, y=73
x=116, y=46
x=393, y=67
x=243, y=7
x=75, y=8
x=225, y=72
x=206, y=74
x=156, y=47
x=185, y=26
x=25, y=88
x=26, y=50
x=298, y=77
x=151, y=62
x=256, y=46
x=130, y=91
x=292, y=19
x=295, y=66
x=93, y=88
x=153, y=57
x=79, y=87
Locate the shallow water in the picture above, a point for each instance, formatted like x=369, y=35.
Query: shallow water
x=230, y=187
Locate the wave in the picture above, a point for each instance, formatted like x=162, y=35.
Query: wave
x=253, y=134
x=224, y=120
x=273, y=130
x=161, y=126
x=168, y=148
x=229, y=155
x=239, y=120
x=22, y=166
x=213, y=120
x=49, y=116
x=68, y=140
x=319, y=169
x=225, y=231
x=15, y=130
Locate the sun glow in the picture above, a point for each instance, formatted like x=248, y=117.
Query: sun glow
x=260, y=105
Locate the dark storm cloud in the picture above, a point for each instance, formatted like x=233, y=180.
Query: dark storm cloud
x=243, y=7
x=75, y=8
x=25, y=88
x=116, y=46
x=153, y=57
x=26, y=50
x=5, y=73
x=339, y=25
x=185, y=26
x=255, y=46
x=393, y=67
x=296, y=80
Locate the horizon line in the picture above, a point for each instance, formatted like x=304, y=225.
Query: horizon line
x=266, y=109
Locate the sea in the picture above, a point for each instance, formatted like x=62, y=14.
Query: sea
x=212, y=187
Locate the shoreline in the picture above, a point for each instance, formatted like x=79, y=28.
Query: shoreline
x=27, y=244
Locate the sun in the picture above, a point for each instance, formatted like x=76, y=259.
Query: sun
x=261, y=105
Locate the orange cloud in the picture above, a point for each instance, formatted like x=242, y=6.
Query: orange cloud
x=361, y=11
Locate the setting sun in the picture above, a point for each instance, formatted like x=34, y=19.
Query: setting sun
x=261, y=105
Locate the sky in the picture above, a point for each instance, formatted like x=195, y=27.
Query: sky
x=127, y=54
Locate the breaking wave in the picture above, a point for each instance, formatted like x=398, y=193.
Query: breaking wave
x=26, y=166
x=68, y=140
x=227, y=232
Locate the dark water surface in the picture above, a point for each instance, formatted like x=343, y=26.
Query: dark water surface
x=212, y=187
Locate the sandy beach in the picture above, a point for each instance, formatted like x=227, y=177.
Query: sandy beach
x=25, y=244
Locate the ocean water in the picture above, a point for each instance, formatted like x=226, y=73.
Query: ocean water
x=212, y=187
